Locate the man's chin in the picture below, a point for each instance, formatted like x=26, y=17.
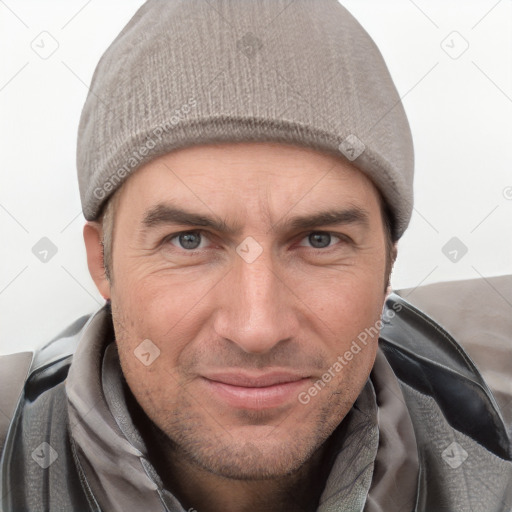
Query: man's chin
x=251, y=462
x=251, y=453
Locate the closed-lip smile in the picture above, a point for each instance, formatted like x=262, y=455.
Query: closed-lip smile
x=245, y=390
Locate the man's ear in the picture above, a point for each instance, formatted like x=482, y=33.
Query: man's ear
x=93, y=235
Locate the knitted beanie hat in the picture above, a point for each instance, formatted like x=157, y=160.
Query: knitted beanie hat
x=191, y=72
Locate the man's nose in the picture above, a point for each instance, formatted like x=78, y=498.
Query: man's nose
x=258, y=307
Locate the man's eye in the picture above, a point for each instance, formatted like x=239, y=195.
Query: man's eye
x=320, y=239
x=196, y=240
x=188, y=240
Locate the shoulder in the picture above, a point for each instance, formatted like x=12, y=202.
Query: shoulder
x=28, y=374
x=477, y=313
x=463, y=445
x=427, y=359
x=38, y=432
x=13, y=372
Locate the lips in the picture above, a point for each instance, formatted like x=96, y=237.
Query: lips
x=252, y=391
x=247, y=380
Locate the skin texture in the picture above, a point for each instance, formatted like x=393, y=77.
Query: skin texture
x=295, y=308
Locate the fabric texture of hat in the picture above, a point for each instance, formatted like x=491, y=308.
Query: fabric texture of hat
x=191, y=72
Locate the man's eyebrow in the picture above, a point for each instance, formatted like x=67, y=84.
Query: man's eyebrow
x=352, y=215
x=168, y=214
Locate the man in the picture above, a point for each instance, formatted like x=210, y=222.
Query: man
x=246, y=170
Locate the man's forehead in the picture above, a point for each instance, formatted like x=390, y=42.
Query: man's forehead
x=216, y=168
x=225, y=185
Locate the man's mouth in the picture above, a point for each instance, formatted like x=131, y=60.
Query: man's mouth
x=255, y=391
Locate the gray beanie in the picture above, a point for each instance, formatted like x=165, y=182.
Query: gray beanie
x=191, y=72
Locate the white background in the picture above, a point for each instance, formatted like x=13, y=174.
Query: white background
x=460, y=110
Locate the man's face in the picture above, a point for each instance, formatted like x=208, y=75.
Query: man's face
x=248, y=313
